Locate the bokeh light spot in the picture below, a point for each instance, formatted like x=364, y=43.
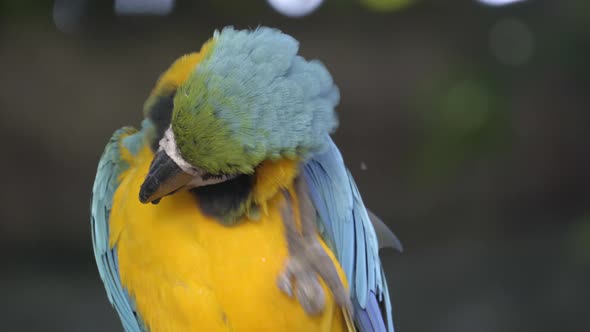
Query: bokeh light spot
x=499, y=2
x=144, y=7
x=511, y=42
x=466, y=106
x=67, y=14
x=295, y=8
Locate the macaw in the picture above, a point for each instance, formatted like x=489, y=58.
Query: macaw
x=255, y=224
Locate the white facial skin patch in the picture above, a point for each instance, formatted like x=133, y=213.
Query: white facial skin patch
x=168, y=145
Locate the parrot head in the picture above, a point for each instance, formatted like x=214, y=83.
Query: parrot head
x=244, y=99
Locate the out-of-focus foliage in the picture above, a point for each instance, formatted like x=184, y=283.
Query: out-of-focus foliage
x=386, y=5
x=464, y=117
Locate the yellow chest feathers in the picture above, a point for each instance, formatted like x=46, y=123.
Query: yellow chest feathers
x=187, y=272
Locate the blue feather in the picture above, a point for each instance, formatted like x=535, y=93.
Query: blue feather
x=105, y=185
x=346, y=224
x=370, y=319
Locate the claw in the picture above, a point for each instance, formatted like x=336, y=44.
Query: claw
x=285, y=285
x=308, y=289
x=308, y=262
x=310, y=294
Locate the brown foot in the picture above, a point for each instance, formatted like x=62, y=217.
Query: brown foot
x=308, y=261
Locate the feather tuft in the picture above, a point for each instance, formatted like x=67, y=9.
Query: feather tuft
x=251, y=99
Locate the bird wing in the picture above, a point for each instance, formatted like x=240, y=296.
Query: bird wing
x=345, y=224
x=385, y=236
x=106, y=182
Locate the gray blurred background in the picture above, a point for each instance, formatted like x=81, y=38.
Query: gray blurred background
x=465, y=124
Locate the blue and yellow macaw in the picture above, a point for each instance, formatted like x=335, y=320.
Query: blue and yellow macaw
x=255, y=222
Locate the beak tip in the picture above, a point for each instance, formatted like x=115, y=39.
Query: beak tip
x=143, y=199
x=164, y=177
x=145, y=193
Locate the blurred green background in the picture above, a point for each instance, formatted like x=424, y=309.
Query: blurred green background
x=466, y=126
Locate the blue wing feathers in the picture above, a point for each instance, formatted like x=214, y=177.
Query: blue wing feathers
x=105, y=184
x=370, y=318
x=334, y=203
x=362, y=265
x=387, y=302
x=347, y=225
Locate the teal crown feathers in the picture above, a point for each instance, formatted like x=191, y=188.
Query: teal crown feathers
x=252, y=99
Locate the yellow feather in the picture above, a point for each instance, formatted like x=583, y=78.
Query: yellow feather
x=187, y=272
x=181, y=69
x=271, y=176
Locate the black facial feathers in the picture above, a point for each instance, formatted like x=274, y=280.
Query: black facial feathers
x=160, y=113
x=226, y=201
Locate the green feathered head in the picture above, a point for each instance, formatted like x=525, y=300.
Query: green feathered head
x=251, y=99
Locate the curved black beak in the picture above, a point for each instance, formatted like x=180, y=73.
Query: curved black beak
x=164, y=178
